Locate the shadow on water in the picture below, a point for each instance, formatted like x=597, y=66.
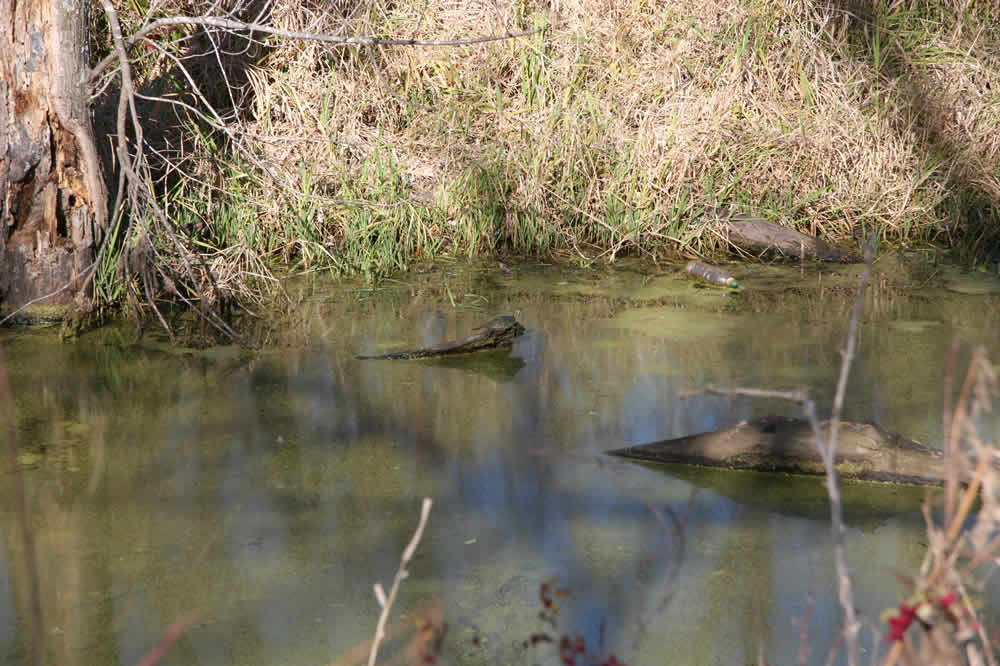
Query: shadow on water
x=498, y=364
x=866, y=505
x=269, y=494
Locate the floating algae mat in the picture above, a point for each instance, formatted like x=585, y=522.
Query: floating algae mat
x=677, y=324
x=973, y=284
x=220, y=486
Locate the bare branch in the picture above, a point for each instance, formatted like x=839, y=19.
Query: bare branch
x=230, y=24
x=829, y=452
x=827, y=447
x=850, y=348
x=799, y=395
x=401, y=574
x=131, y=165
x=214, y=119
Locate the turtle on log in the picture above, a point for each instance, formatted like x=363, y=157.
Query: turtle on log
x=497, y=332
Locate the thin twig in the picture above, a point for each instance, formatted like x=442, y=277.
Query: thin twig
x=401, y=575
x=950, y=455
x=844, y=591
x=215, y=120
x=798, y=395
x=968, y=499
x=172, y=635
x=672, y=523
x=132, y=165
x=361, y=40
x=827, y=447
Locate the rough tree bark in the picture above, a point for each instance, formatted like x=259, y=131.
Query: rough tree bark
x=53, y=199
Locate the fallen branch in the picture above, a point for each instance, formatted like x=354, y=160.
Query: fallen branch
x=225, y=23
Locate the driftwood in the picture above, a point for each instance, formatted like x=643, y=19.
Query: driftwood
x=498, y=332
x=759, y=236
x=779, y=444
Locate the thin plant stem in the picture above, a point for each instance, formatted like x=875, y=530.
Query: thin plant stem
x=829, y=453
x=827, y=446
x=401, y=575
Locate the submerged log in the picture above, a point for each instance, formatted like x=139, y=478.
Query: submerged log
x=757, y=235
x=780, y=444
x=498, y=332
x=865, y=505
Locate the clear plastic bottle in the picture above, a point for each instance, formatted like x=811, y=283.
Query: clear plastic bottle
x=711, y=274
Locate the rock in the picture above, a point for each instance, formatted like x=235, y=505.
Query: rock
x=757, y=235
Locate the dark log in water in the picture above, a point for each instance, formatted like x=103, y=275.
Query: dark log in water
x=780, y=444
x=498, y=332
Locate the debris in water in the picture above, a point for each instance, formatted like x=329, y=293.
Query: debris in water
x=711, y=274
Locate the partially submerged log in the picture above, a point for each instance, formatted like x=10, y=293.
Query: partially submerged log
x=498, y=332
x=780, y=444
x=759, y=236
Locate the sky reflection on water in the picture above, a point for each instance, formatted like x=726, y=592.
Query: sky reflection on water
x=267, y=496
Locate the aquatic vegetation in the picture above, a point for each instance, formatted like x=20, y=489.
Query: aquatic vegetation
x=573, y=648
x=278, y=476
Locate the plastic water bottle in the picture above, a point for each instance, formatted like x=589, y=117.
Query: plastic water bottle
x=711, y=274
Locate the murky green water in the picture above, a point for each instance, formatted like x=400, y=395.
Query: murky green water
x=264, y=497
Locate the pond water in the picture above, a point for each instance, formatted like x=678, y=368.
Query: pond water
x=260, y=498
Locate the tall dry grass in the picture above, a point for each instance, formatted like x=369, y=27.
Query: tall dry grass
x=609, y=131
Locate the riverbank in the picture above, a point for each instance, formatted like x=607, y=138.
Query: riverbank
x=459, y=285
x=609, y=132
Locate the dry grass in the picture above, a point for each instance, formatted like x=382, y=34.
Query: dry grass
x=618, y=123
x=607, y=133
x=941, y=621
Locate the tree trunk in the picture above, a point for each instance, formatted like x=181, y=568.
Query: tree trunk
x=53, y=200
